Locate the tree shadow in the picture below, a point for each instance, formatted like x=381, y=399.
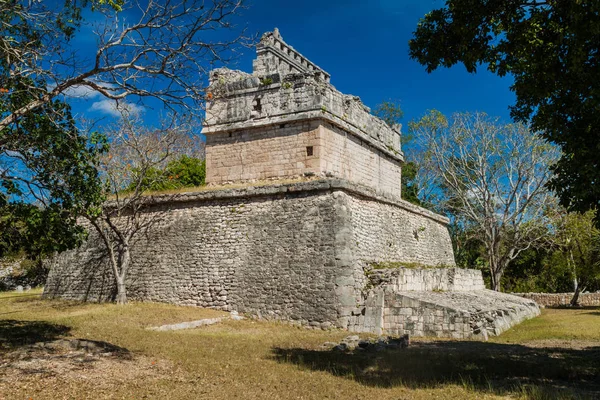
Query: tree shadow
x=15, y=334
x=489, y=367
x=594, y=313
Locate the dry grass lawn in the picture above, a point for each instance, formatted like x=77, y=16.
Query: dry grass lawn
x=554, y=356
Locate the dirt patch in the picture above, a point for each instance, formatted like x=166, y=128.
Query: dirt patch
x=76, y=361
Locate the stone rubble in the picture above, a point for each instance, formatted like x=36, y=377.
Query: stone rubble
x=195, y=324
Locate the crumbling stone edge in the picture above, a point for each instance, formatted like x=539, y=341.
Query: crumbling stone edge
x=301, y=186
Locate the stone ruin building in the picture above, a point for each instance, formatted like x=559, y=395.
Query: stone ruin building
x=314, y=230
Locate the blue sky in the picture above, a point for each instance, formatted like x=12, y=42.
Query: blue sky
x=363, y=44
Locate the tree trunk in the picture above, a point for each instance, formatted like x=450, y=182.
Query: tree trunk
x=496, y=277
x=121, y=291
x=575, y=299
x=495, y=267
x=120, y=278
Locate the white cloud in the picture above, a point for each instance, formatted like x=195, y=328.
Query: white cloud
x=116, y=109
x=81, y=92
x=84, y=91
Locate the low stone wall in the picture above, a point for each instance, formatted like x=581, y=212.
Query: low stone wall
x=432, y=279
x=562, y=299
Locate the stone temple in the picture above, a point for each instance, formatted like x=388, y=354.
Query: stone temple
x=313, y=229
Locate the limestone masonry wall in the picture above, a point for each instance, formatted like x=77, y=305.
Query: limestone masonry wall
x=284, y=251
x=262, y=125
x=263, y=153
x=432, y=279
x=348, y=157
x=562, y=299
x=399, y=236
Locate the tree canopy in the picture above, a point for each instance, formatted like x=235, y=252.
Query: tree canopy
x=552, y=49
x=144, y=49
x=490, y=177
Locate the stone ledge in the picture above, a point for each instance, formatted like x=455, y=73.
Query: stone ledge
x=427, y=279
x=297, y=187
x=462, y=315
x=562, y=299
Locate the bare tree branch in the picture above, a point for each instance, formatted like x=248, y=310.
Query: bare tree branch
x=492, y=178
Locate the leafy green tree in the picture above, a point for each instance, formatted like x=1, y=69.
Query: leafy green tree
x=551, y=49
x=182, y=172
x=47, y=177
x=410, y=187
x=391, y=113
x=578, y=249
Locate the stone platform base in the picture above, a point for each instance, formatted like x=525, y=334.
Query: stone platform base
x=298, y=252
x=445, y=302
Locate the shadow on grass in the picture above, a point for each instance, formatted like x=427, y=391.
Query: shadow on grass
x=14, y=334
x=490, y=367
x=594, y=313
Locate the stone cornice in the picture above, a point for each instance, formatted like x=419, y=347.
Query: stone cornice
x=316, y=185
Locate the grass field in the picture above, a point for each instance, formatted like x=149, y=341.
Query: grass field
x=556, y=355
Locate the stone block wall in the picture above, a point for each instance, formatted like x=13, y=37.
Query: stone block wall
x=428, y=279
x=562, y=299
x=348, y=157
x=240, y=100
x=275, y=151
x=284, y=251
x=282, y=151
x=455, y=314
x=400, y=236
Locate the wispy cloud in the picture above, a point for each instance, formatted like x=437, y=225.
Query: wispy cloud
x=116, y=108
x=81, y=92
x=102, y=105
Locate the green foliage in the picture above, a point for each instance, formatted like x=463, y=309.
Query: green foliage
x=578, y=249
x=410, y=189
x=182, y=172
x=551, y=49
x=389, y=111
x=48, y=168
x=571, y=257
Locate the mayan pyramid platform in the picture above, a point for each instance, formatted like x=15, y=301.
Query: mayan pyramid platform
x=315, y=204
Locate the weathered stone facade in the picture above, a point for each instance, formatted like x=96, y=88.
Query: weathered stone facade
x=283, y=251
x=302, y=251
x=286, y=120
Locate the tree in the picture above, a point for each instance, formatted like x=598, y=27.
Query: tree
x=128, y=169
x=181, y=172
x=491, y=178
x=391, y=113
x=145, y=48
x=551, y=49
x=47, y=177
x=578, y=248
